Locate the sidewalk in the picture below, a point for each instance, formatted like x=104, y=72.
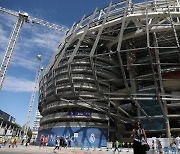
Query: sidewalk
x=49, y=150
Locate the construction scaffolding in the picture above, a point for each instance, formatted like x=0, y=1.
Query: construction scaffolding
x=119, y=64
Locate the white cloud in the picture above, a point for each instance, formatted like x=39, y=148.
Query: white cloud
x=4, y=37
x=18, y=84
x=25, y=62
x=46, y=40
x=9, y=19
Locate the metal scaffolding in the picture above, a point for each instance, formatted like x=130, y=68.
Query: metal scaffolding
x=123, y=62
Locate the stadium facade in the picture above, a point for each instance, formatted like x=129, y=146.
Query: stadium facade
x=8, y=126
x=117, y=65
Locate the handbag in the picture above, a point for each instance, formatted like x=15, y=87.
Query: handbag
x=147, y=147
x=145, y=144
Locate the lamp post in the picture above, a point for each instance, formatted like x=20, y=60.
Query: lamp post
x=33, y=96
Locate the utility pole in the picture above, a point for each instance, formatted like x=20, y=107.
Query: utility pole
x=33, y=95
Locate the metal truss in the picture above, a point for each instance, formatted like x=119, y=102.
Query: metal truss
x=131, y=51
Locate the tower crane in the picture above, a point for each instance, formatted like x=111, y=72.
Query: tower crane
x=26, y=127
x=22, y=17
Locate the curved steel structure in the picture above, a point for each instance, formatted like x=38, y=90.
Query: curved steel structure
x=117, y=65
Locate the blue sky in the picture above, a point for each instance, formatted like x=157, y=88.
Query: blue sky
x=34, y=39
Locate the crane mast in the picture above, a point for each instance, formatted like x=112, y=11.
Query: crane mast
x=10, y=47
x=26, y=127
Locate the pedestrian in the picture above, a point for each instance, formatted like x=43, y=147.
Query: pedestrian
x=27, y=141
x=153, y=147
x=57, y=144
x=11, y=143
x=65, y=143
x=1, y=141
x=159, y=145
x=69, y=142
x=140, y=140
x=46, y=141
x=116, y=145
x=15, y=142
x=4, y=141
x=41, y=141
x=61, y=141
x=22, y=142
x=177, y=142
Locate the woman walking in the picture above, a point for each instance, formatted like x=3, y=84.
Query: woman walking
x=140, y=140
x=57, y=145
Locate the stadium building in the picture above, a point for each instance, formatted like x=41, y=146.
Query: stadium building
x=117, y=65
x=8, y=126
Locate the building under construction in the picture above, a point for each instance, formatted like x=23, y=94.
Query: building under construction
x=117, y=65
x=9, y=128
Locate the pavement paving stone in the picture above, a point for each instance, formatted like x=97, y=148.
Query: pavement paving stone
x=49, y=150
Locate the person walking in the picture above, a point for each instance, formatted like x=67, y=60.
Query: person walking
x=177, y=142
x=27, y=142
x=57, y=145
x=140, y=140
x=15, y=142
x=22, y=142
x=159, y=145
x=1, y=141
x=41, y=142
x=46, y=141
x=69, y=142
x=65, y=143
x=11, y=143
x=116, y=146
x=153, y=147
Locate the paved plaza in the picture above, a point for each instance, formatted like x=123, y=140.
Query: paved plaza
x=49, y=150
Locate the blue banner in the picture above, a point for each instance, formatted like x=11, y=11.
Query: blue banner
x=87, y=136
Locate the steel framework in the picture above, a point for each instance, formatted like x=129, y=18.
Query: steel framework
x=121, y=63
